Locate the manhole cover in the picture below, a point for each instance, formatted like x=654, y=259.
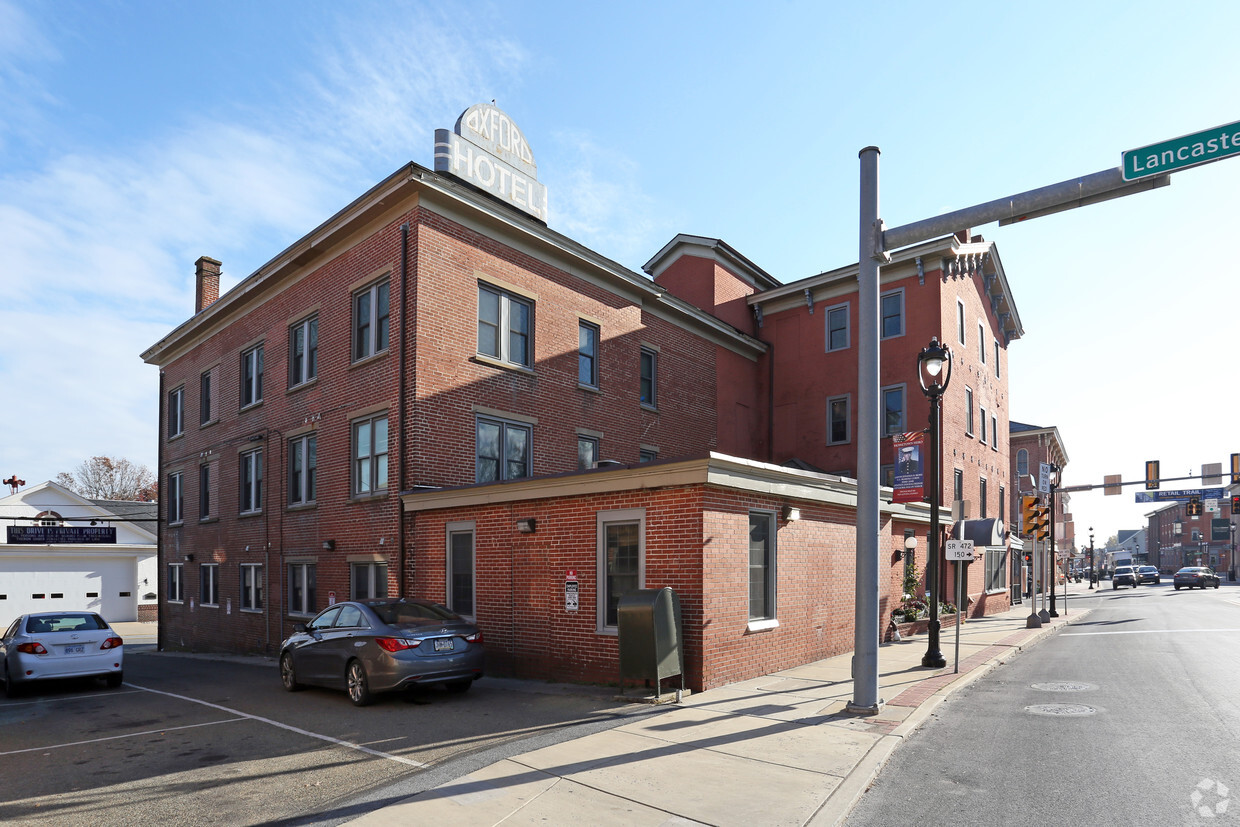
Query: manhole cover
x=1064, y=686
x=1060, y=709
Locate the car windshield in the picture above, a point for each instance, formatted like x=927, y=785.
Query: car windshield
x=74, y=622
x=396, y=614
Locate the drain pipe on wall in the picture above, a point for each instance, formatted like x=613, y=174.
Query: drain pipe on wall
x=401, y=409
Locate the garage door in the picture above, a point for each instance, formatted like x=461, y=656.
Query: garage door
x=46, y=584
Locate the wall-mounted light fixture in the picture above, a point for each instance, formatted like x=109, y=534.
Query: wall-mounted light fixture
x=527, y=525
x=189, y=557
x=329, y=545
x=790, y=514
x=910, y=547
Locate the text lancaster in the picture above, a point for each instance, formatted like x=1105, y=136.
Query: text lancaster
x=1178, y=153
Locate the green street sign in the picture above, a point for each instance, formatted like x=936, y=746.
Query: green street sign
x=1179, y=153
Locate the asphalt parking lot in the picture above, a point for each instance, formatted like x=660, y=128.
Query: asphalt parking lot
x=200, y=740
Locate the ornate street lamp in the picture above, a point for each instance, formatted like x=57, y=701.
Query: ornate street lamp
x=934, y=372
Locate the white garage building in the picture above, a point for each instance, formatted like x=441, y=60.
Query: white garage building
x=62, y=551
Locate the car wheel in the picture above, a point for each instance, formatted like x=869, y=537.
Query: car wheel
x=359, y=690
x=1215, y=584
x=115, y=679
x=288, y=674
x=1177, y=588
x=11, y=688
x=1113, y=586
x=459, y=687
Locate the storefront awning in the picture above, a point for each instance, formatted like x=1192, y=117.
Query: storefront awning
x=981, y=532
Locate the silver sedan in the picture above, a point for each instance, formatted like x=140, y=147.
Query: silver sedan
x=55, y=645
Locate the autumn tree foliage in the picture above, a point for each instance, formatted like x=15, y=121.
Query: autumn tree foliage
x=106, y=478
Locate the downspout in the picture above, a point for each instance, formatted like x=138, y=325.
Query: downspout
x=160, y=566
x=770, y=386
x=401, y=408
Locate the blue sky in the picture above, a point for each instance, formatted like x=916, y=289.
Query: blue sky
x=136, y=137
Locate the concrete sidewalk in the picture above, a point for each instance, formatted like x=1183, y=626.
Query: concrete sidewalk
x=775, y=750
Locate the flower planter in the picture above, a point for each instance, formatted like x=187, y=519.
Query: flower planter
x=920, y=626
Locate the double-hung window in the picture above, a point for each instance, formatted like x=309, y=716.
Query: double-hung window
x=303, y=351
x=649, y=377
x=968, y=410
x=981, y=343
x=206, y=491
x=837, y=420
x=761, y=566
x=504, y=325
x=994, y=432
x=250, y=478
x=368, y=581
x=302, y=462
x=960, y=320
x=893, y=410
x=176, y=498
x=251, y=587
x=983, y=418
x=892, y=307
x=837, y=327
x=981, y=498
x=460, y=595
x=209, y=584
x=503, y=450
x=176, y=583
x=252, y=376
x=621, y=545
x=587, y=354
x=206, y=397
x=1022, y=463
x=370, y=455
x=370, y=321
x=176, y=412
x=301, y=585
x=996, y=358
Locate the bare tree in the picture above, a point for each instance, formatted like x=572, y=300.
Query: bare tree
x=105, y=478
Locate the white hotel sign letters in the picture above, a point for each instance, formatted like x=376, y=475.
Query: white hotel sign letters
x=487, y=150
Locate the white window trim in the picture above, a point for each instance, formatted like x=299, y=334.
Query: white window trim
x=846, y=308
x=464, y=527
x=882, y=394
x=180, y=584
x=597, y=330
x=968, y=417
x=597, y=448
x=982, y=415
x=903, y=314
x=981, y=342
x=176, y=496
x=302, y=567
x=254, y=387
x=177, y=394
x=252, y=567
x=994, y=432
x=303, y=475
x=847, y=397
x=505, y=423
x=997, y=351
x=215, y=579
x=372, y=321
x=304, y=327
x=252, y=460
x=504, y=327
x=378, y=483
x=961, y=327
x=757, y=624
x=602, y=520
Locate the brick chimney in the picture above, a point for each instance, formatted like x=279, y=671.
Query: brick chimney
x=207, y=272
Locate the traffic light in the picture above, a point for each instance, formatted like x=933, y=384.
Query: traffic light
x=1028, y=558
x=1151, y=475
x=1028, y=514
x=1042, y=530
x=1235, y=504
x=1194, y=507
x=1235, y=469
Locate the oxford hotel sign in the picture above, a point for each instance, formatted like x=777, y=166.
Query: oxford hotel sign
x=487, y=150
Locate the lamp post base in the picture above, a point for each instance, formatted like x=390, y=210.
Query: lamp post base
x=933, y=658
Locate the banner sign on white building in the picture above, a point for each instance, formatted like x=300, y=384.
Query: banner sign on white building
x=68, y=535
x=487, y=149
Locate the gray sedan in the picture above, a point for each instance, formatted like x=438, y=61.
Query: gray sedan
x=54, y=645
x=367, y=647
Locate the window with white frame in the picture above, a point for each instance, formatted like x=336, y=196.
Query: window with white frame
x=968, y=410
x=302, y=466
x=206, y=491
x=503, y=450
x=303, y=351
x=250, y=480
x=251, y=587
x=209, y=584
x=997, y=358
x=368, y=581
x=761, y=565
x=996, y=568
x=994, y=432
x=370, y=320
x=176, y=583
x=587, y=354
x=893, y=410
x=838, y=420
x=301, y=587
x=957, y=485
x=649, y=377
x=981, y=342
x=370, y=455
x=460, y=597
x=981, y=498
x=1002, y=505
x=176, y=498
x=206, y=396
x=176, y=412
x=587, y=452
x=837, y=327
x=983, y=418
x=621, y=545
x=960, y=320
x=504, y=325
x=892, y=309
x=252, y=376
x=1022, y=463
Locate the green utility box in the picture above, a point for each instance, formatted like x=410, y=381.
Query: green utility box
x=651, y=638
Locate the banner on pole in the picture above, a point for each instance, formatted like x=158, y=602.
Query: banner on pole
x=910, y=470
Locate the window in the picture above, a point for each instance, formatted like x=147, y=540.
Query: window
x=587, y=354
x=503, y=450
x=206, y=398
x=996, y=568
x=251, y=480
x=587, y=452
x=367, y=581
x=461, y=568
x=996, y=358
x=981, y=342
x=252, y=376
x=1002, y=505
x=647, y=455
x=960, y=320
x=176, y=583
x=504, y=325
x=370, y=455
x=892, y=305
x=837, y=420
x=209, y=584
x=301, y=577
x=994, y=432
x=1022, y=463
x=983, y=416
x=761, y=566
x=176, y=412
x=621, y=560
x=206, y=490
x=958, y=485
x=176, y=502
x=370, y=321
x=251, y=587
x=650, y=377
x=893, y=410
x=303, y=351
x=981, y=498
x=887, y=475
x=968, y=410
x=302, y=462
x=837, y=328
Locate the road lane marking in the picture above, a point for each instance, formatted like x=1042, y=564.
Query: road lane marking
x=118, y=737
x=338, y=742
x=1149, y=632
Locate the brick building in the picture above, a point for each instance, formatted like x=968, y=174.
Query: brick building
x=435, y=394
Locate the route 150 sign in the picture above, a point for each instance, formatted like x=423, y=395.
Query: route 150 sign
x=960, y=550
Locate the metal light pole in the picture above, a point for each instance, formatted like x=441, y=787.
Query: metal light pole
x=1231, y=569
x=933, y=360
x=1051, y=542
x=1092, y=575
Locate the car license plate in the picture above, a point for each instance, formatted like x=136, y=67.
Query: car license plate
x=75, y=650
x=443, y=644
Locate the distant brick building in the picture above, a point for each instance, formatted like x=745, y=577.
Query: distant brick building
x=434, y=394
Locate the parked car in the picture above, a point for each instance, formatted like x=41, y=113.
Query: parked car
x=1124, y=576
x=373, y=646
x=1191, y=576
x=54, y=645
x=1148, y=574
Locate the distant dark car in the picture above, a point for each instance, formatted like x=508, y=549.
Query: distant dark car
x=1148, y=574
x=373, y=646
x=1124, y=576
x=1193, y=576
x=55, y=645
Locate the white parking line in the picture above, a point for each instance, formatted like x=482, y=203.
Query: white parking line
x=1150, y=632
x=299, y=731
x=118, y=737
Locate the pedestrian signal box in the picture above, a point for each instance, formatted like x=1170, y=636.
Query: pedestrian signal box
x=1042, y=530
x=1151, y=475
x=1194, y=507
x=1028, y=514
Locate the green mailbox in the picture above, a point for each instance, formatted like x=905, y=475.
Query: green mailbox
x=651, y=639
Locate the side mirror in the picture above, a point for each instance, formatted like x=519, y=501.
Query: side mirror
x=299, y=627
